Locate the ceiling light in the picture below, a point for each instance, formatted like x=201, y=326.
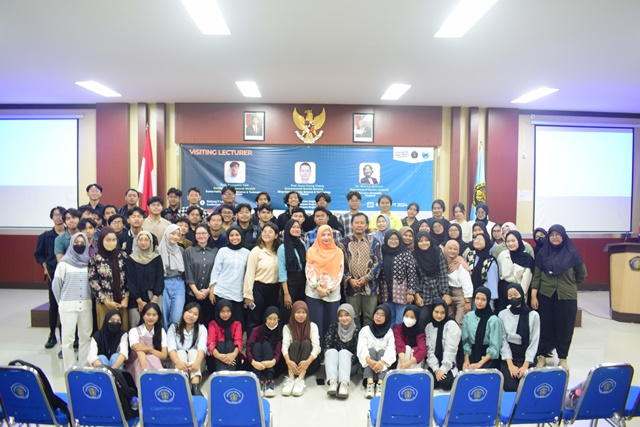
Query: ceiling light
x=249, y=89
x=207, y=16
x=99, y=89
x=534, y=94
x=467, y=13
x=395, y=91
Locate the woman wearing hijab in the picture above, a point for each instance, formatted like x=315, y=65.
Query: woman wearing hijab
x=292, y=259
x=224, y=338
x=407, y=238
x=439, y=231
x=341, y=347
x=409, y=338
x=460, y=285
x=398, y=278
x=227, y=275
x=145, y=276
x=482, y=215
x=423, y=225
x=107, y=278
x=300, y=349
x=559, y=269
x=539, y=237
x=172, y=255
x=199, y=260
x=515, y=265
x=506, y=228
x=264, y=350
x=70, y=287
x=324, y=270
x=481, y=334
x=110, y=345
x=442, y=335
x=383, y=224
x=376, y=350
x=433, y=279
x=520, y=336
x=484, y=269
x=455, y=233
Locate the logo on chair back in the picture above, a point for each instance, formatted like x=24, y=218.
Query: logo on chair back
x=408, y=394
x=20, y=391
x=606, y=386
x=164, y=395
x=233, y=396
x=477, y=394
x=92, y=391
x=542, y=391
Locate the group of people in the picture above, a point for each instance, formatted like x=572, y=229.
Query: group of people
x=242, y=289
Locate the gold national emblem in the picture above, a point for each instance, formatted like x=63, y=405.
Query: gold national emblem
x=309, y=125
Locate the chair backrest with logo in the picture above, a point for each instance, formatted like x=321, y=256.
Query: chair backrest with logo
x=234, y=399
x=406, y=399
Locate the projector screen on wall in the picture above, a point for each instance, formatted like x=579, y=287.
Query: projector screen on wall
x=583, y=178
x=39, y=170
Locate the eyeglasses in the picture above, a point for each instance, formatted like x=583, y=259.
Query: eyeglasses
x=117, y=222
x=228, y=193
x=393, y=239
x=555, y=235
x=202, y=234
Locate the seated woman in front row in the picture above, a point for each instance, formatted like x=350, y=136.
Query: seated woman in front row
x=148, y=341
x=409, y=338
x=110, y=345
x=224, y=338
x=376, y=350
x=264, y=350
x=300, y=348
x=187, y=344
x=481, y=334
x=341, y=345
x=442, y=336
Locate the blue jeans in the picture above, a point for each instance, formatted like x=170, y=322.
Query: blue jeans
x=173, y=299
x=397, y=312
x=337, y=364
x=110, y=361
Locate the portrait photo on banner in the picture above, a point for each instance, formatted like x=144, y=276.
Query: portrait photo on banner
x=253, y=126
x=369, y=173
x=305, y=172
x=363, y=127
x=235, y=172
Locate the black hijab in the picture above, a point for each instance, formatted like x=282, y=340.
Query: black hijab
x=379, y=331
x=291, y=246
x=477, y=352
x=519, y=256
x=415, y=330
x=443, y=237
x=554, y=260
x=463, y=245
x=523, y=312
x=239, y=245
x=481, y=256
x=485, y=208
x=225, y=324
x=428, y=261
x=108, y=341
x=539, y=242
x=389, y=255
x=272, y=336
x=483, y=226
x=439, y=351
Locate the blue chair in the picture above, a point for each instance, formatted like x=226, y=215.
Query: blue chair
x=539, y=399
x=24, y=400
x=406, y=400
x=474, y=400
x=165, y=400
x=630, y=408
x=93, y=398
x=234, y=400
x=604, y=394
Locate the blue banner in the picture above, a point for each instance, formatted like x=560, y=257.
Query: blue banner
x=405, y=173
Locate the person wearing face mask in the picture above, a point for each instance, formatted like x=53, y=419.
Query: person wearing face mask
x=110, y=345
x=108, y=279
x=539, y=237
x=520, y=337
x=409, y=338
x=70, y=288
x=442, y=336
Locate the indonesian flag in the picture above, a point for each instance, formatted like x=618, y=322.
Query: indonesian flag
x=147, y=181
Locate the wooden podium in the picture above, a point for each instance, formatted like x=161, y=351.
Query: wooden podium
x=624, y=277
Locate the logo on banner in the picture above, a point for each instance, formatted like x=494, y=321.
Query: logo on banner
x=413, y=154
x=542, y=391
x=164, y=395
x=20, y=391
x=233, y=396
x=92, y=391
x=309, y=125
x=480, y=193
x=634, y=263
x=408, y=394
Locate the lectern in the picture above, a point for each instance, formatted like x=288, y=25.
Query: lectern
x=624, y=278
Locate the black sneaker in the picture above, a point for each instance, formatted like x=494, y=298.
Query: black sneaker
x=51, y=342
x=75, y=344
x=195, y=390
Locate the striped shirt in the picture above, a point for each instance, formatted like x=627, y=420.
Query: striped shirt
x=71, y=283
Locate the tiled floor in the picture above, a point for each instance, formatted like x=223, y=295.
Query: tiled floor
x=598, y=340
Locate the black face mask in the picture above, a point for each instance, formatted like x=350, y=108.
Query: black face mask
x=515, y=301
x=114, y=327
x=79, y=249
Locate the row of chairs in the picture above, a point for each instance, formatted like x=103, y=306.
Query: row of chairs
x=476, y=399
x=164, y=399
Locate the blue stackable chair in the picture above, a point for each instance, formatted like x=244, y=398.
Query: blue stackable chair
x=234, y=400
x=407, y=400
x=165, y=400
x=23, y=398
x=93, y=398
x=630, y=408
x=539, y=399
x=604, y=394
x=474, y=400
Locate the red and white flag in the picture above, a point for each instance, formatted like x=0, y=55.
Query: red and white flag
x=147, y=181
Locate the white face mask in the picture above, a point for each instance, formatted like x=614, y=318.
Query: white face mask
x=270, y=328
x=408, y=322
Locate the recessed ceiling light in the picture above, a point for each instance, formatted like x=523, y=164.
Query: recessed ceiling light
x=534, y=94
x=467, y=13
x=395, y=91
x=207, y=16
x=99, y=89
x=249, y=89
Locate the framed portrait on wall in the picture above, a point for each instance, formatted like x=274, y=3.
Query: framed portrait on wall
x=363, y=127
x=253, y=126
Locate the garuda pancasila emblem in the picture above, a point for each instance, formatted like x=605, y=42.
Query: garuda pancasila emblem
x=309, y=125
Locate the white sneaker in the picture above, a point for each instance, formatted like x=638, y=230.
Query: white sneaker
x=298, y=387
x=343, y=392
x=270, y=390
x=378, y=390
x=287, y=388
x=371, y=390
x=541, y=362
x=333, y=387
